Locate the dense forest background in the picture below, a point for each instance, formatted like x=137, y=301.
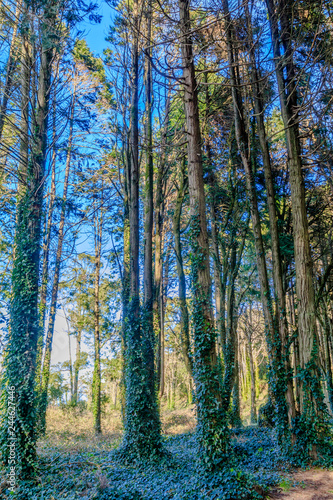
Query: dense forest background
x=166, y=222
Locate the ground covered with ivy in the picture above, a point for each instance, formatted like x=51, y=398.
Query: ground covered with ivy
x=255, y=466
x=76, y=465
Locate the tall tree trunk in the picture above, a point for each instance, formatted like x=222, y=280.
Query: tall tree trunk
x=311, y=397
x=158, y=271
x=70, y=364
x=328, y=359
x=126, y=274
x=231, y=333
x=20, y=362
x=212, y=430
x=56, y=278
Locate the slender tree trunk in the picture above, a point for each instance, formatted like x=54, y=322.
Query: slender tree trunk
x=126, y=275
x=96, y=384
x=231, y=333
x=293, y=322
x=70, y=364
x=219, y=283
x=158, y=272
x=328, y=360
x=77, y=367
x=236, y=417
x=212, y=431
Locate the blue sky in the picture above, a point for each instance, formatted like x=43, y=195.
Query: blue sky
x=95, y=34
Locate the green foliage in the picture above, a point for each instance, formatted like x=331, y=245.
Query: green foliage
x=95, y=66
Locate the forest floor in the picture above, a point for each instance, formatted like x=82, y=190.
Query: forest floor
x=75, y=465
x=313, y=484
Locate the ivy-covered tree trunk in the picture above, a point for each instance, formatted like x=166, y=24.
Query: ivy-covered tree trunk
x=142, y=436
x=231, y=330
x=18, y=397
x=211, y=427
x=313, y=411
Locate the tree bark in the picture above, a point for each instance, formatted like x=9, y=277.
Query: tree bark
x=211, y=424
x=158, y=271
